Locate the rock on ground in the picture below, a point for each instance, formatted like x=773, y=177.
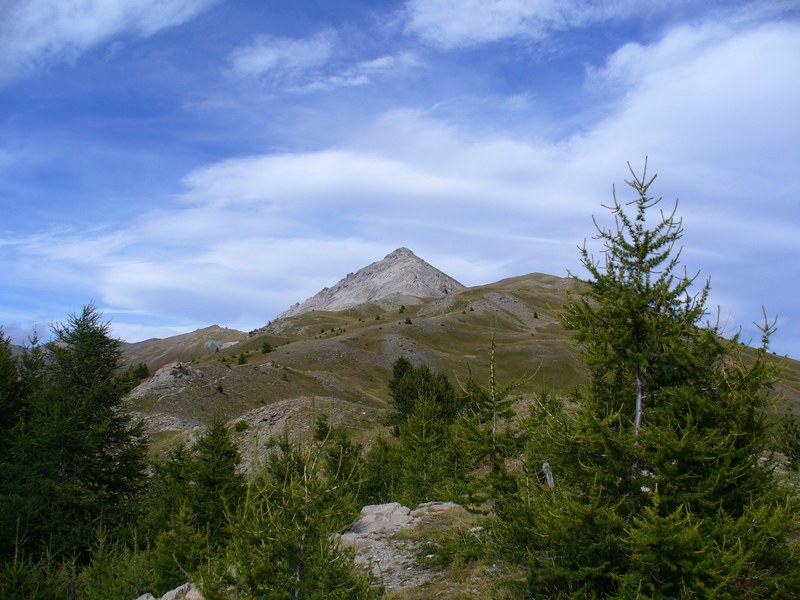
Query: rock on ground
x=390, y=560
x=187, y=591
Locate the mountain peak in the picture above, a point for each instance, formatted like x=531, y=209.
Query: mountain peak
x=401, y=274
x=400, y=253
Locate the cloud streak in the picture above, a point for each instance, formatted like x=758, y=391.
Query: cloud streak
x=460, y=23
x=283, y=57
x=37, y=33
x=312, y=64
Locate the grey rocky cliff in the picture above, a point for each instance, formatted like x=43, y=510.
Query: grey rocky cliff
x=400, y=275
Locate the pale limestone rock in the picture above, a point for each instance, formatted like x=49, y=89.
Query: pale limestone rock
x=391, y=560
x=187, y=591
x=401, y=276
x=382, y=517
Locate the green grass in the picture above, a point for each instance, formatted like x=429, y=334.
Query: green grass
x=349, y=354
x=452, y=546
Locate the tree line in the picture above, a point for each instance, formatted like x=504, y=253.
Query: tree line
x=655, y=480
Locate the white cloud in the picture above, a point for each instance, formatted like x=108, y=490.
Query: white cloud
x=252, y=235
x=463, y=23
x=36, y=33
x=455, y=23
x=284, y=56
x=307, y=64
x=708, y=110
x=364, y=72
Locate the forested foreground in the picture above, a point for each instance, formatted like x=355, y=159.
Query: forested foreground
x=659, y=479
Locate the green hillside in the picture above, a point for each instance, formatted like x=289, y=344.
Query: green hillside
x=340, y=362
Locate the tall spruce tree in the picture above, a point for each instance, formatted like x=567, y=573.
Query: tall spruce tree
x=83, y=457
x=669, y=436
x=637, y=321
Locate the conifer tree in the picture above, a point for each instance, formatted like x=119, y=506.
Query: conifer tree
x=482, y=434
x=202, y=483
x=216, y=485
x=637, y=321
x=409, y=385
x=668, y=436
x=9, y=389
x=83, y=457
x=282, y=538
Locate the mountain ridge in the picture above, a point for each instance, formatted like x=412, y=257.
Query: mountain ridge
x=279, y=376
x=400, y=276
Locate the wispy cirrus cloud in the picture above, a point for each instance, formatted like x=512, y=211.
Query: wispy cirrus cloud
x=454, y=23
x=283, y=57
x=37, y=33
x=450, y=24
x=364, y=72
x=311, y=64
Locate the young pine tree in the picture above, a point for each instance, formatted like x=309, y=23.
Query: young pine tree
x=216, y=485
x=282, y=537
x=664, y=453
x=485, y=436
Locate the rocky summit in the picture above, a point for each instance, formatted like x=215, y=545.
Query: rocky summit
x=401, y=277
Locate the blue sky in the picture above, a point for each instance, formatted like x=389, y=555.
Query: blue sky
x=193, y=162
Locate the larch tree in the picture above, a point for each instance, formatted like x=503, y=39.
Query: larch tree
x=637, y=322
x=83, y=457
x=668, y=436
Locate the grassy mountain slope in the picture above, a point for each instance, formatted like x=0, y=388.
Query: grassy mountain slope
x=340, y=362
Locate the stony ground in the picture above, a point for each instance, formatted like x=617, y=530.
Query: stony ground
x=391, y=559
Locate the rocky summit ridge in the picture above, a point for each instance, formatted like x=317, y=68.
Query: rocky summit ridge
x=400, y=277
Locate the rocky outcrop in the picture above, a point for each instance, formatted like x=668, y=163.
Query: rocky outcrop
x=400, y=274
x=172, y=376
x=391, y=560
x=187, y=591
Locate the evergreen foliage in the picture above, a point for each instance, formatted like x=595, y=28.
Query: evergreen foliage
x=282, y=543
x=381, y=473
x=216, y=485
x=487, y=436
x=200, y=486
x=409, y=385
x=74, y=460
x=788, y=439
x=637, y=321
x=9, y=390
x=430, y=465
x=661, y=484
